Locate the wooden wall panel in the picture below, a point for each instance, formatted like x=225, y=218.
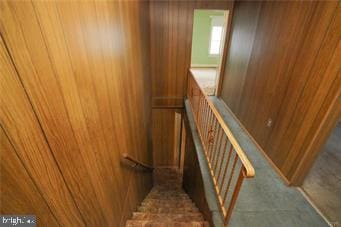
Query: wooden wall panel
x=275, y=75
x=85, y=69
x=24, y=132
x=19, y=194
x=245, y=20
x=166, y=130
x=171, y=24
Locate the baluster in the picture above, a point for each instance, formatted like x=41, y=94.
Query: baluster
x=199, y=118
x=230, y=178
x=208, y=127
x=206, y=118
x=202, y=111
x=219, y=145
x=189, y=88
x=224, y=148
x=211, y=150
x=199, y=108
x=207, y=114
x=235, y=194
x=225, y=169
x=211, y=130
x=203, y=120
x=207, y=130
x=222, y=159
x=196, y=98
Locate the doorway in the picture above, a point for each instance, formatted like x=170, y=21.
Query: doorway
x=208, y=46
x=323, y=183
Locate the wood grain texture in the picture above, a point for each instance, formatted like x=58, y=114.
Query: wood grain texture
x=171, y=24
x=324, y=121
x=22, y=128
x=19, y=194
x=85, y=69
x=283, y=52
x=166, y=127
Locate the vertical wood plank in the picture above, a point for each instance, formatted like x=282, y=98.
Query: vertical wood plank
x=22, y=127
x=19, y=192
x=75, y=62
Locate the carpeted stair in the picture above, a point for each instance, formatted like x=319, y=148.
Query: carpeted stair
x=167, y=205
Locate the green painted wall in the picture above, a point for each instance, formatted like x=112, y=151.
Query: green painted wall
x=201, y=37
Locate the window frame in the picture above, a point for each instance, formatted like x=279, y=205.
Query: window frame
x=216, y=21
x=210, y=41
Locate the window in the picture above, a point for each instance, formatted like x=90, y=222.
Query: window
x=216, y=36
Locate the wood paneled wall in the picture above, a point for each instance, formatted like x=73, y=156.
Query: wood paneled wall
x=75, y=94
x=19, y=193
x=281, y=74
x=171, y=24
x=166, y=136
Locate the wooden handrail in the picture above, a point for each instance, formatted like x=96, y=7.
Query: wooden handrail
x=249, y=170
x=227, y=162
x=135, y=163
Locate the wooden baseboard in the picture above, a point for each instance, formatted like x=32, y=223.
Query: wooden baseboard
x=204, y=66
x=278, y=171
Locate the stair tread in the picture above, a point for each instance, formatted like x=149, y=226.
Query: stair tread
x=143, y=223
x=161, y=214
x=168, y=216
x=167, y=204
x=163, y=200
x=165, y=210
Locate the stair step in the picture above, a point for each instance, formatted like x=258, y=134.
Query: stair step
x=168, y=194
x=167, y=204
x=167, y=210
x=168, y=217
x=159, y=209
x=167, y=188
x=138, y=223
x=168, y=201
x=168, y=191
x=171, y=203
x=168, y=198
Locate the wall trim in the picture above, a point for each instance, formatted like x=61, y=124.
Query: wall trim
x=204, y=66
x=163, y=102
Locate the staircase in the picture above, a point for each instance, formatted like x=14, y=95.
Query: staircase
x=167, y=205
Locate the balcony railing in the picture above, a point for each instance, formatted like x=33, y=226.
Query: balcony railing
x=227, y=161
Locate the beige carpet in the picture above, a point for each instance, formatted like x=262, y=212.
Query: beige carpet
x=206, y=78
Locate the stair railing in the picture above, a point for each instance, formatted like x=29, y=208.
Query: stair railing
x=227, y=161
x=132, y=162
